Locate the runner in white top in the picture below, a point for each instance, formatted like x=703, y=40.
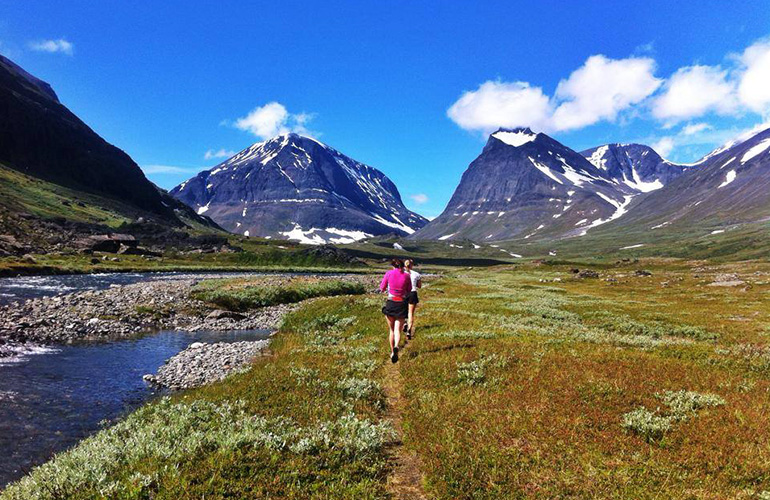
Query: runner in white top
x=412, y=300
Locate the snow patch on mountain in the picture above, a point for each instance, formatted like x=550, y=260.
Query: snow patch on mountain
x=515, y=138
x=321, y=236
x=547, y=171
x=730, y=177
x=396, y=225
x=756, y=150
x=598, y=159
x=638, y=184
x=620, y=209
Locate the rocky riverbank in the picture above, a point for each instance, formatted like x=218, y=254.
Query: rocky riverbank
x=126, y=311
x=203, y=363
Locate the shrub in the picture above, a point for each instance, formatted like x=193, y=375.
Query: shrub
x=305, y=376
x=475, y=372
x=326, y=330
x=472, y=373
x=684, y=404
x=647, y=424
x=361, y=389
x=362, y=366
x=626, y=326
x=241, y=298
x=461, y=334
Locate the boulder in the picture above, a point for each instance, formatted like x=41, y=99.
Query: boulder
x=221, y=314
x=137, y=250
x=110, y=243
x=9, y=246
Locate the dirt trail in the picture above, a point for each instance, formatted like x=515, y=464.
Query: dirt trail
x=405, y=480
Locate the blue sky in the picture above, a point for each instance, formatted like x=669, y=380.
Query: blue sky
x=411, y=88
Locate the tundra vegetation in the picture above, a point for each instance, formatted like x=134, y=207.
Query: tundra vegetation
x=523, y=381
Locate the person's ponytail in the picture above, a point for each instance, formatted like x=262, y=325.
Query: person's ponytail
x=397, y=264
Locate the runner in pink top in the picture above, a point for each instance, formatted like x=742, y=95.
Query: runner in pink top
x=398, y=284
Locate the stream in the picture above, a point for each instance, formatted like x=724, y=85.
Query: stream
x=54, y=396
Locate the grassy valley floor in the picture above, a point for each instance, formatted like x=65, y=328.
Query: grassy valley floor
x=522, y=382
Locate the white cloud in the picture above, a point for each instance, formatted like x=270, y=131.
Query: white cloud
x=274, y=119
x=694, y=128
x=53, y=46
x=419, y=198
x=501, y=104
x=598, y=90
x=222, y=153
x=602, y=88
x=754, y=86
x=693, y=137
x=664, y=146
x=605, y=89
x=693, y=91
x=167, y=169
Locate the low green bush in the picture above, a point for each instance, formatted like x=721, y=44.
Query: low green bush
x=475, y=372
x=243, y=298
x=647, y=424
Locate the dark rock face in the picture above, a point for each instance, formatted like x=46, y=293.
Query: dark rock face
x=42, y=138
x=295, y=187
x=528, y=185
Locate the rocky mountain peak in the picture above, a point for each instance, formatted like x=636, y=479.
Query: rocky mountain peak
x=293, y=186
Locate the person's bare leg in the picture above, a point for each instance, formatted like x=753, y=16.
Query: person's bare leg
x=391, y=321
x=399, y=322
x=410, y=329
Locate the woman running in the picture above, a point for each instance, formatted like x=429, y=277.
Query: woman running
x=398, y=285
x=412, y=300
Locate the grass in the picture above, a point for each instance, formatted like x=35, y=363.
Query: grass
x=516, y=386
x=23, y=193
x=616, y=387
x=243, y=294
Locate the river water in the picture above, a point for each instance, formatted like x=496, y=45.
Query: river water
x=54, y=397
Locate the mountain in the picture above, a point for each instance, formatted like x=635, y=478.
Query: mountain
x=730, y=186
x=294, y=187
x=59, y=179
x=528, y=185
x=40, y=137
